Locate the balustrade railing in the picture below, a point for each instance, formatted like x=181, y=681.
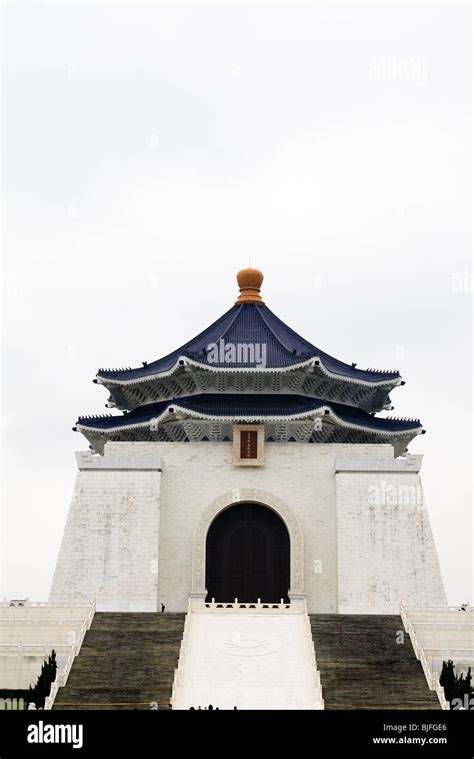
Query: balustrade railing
x=235, y=605
x=27, y=604
x=432, y=678
x=63, y=674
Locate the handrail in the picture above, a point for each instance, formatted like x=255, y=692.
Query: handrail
x=440, y=608
x=63, y=674
x=25, y=603
x=312, y=654
x=182, y=656
x=445, y=625
x=459, y=650
x=236, y=605
x=41, y=622
x=26, y=649
x=431, y=678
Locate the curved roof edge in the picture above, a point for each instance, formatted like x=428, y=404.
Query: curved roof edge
x=249, y=408
x=248, y=324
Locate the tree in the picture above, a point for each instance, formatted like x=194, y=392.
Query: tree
x=468, y=683
x=456, y=687
x=448, y=680
x=46, y=677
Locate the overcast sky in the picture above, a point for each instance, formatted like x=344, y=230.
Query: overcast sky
x=150, y=150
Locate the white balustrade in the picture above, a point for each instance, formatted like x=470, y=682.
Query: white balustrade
x=428, y=627
x=236, y=605
x=63, y=674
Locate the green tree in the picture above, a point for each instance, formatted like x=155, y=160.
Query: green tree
x=46, y=677
x=448, y=680
x=455, y=687
x=468, y=683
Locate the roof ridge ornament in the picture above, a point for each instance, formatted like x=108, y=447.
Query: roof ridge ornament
x=249, y=281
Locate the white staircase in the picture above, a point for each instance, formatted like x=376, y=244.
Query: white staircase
x=251, y=657
x=438, y=634
x=28, y=633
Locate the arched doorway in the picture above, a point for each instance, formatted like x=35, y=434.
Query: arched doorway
x=248, y=555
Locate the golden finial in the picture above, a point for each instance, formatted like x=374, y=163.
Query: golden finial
x=249, y=281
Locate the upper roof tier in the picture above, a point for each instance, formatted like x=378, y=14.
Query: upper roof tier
x=248, y=338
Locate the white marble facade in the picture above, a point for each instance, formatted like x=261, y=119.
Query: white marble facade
x=359, y=530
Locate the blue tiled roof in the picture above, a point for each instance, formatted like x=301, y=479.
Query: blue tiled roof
x=254, y=406
x=250, y=323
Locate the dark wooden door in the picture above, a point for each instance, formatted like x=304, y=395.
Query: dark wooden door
x=248, y=556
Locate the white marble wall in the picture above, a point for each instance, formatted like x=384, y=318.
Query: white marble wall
x=137, y=508
x=109, y=550
x=386, y=551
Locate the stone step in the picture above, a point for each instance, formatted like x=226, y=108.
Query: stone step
x=367, y=662
x=127, y=660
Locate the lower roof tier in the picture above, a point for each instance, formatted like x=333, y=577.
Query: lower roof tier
x=287, y=418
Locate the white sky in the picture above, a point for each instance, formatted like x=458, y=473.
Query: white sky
x=150, y=150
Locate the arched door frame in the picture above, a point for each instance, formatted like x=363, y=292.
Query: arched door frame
x=263, y=498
